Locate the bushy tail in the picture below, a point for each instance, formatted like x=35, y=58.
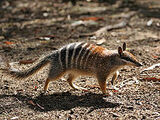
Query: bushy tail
x=35, y=68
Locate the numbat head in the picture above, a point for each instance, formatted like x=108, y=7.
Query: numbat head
x=126, y=58
x=81, y=58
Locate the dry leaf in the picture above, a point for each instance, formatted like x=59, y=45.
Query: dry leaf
x=35, y=87
x=152, y=79
x=101, y=41
x=115, y=91
x=92, y=18
x=8, y=43
x=155, y=56
x=30, y=61
x=31, y=102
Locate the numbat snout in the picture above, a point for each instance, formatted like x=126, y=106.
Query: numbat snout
x=81, y=58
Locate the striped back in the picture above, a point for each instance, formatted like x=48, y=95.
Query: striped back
x=78, y=55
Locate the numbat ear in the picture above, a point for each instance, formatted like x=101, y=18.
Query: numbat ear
x=120, y=51
x=124, y=46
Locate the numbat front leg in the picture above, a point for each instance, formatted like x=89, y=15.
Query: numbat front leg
x=114, y=78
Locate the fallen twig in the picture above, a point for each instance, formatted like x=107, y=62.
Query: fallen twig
x=110, y=27
x=134, y=80
x=92, y=18
x=40, y=106
x=35, y=104
x=154, y=79
x=29, y=61
x=97, y=86
x=124, y=15
x=105, y=29
x=151, y=67
x=80, y=22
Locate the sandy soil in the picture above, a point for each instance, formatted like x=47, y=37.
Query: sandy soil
x=31, y=29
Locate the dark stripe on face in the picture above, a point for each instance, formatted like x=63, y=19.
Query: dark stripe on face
x=129, y=59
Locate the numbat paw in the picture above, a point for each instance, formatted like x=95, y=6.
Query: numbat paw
x=108, y=94
x=82, y=89
x=114, y=89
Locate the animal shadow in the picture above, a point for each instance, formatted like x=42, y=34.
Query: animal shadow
x=58, y=101
x=67, y=101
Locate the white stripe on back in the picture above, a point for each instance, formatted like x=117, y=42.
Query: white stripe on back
x=76, y=65
x=90, y=52
x=59, y=52
x=73, y=55
x=81, y=61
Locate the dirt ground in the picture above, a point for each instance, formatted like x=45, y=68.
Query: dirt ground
x=31, y=29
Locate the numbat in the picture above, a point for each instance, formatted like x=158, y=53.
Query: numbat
x=81, y=58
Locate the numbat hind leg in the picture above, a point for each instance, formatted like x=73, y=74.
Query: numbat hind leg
x=102, y=83
x=70, y=80
x=46, y=85
x=51, y=78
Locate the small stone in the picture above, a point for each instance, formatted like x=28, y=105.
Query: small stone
x=45, y=14
x=2, y=38
x=149, y=23
x=130, y=108
x=71, y=112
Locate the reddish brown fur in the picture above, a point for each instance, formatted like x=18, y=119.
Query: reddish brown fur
x=89, y=60
x=98, y=50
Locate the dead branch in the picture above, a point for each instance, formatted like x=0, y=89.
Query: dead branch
x=151, y=67
x=123, y=15
x=110, y=27
x=106, y=28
